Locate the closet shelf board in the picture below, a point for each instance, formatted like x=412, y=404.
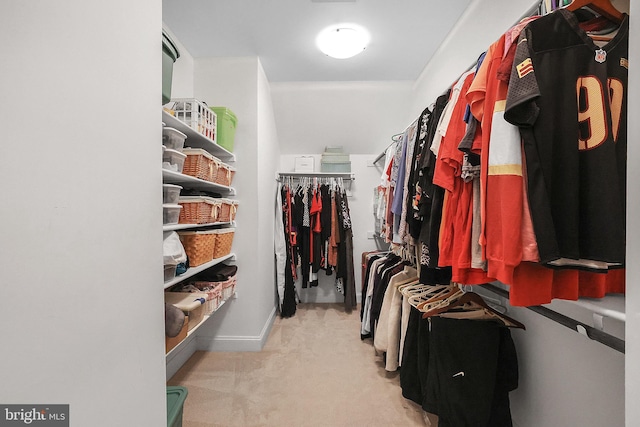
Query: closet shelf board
x=197, y=140
x=195, y=270
x=195, y=328
x=171, y=177
x=174, y=227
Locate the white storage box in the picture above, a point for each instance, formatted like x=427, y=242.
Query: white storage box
x=191, y=303
x=172, y=138
x=170, y=194
x=335, y=166
x=170, y=214
x=173, y=160
x=304, y=164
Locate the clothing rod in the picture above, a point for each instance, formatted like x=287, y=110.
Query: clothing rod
x=606, y=312
x=343, y=175
x=582, y=328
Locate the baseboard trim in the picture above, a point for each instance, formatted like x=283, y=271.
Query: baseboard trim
x=238, y=343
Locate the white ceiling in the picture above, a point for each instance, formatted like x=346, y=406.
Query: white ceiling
x=404, y=34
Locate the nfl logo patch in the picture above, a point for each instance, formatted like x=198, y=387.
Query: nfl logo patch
x=601, y=55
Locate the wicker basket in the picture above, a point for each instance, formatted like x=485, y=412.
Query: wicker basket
x=199, y=245
x=199, y=210
x=200, y=164
x=214, y=294
x=228, y=209
x=228, y=287
x=224, y=240
x=225, y=174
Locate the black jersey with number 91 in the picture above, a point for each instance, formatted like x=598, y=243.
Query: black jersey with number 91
x=568, y=96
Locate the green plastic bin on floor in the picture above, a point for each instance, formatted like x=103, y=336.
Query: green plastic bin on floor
x=169, y=55
x=226, y=127
x=175, y=403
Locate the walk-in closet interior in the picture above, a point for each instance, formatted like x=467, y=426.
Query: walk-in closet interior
x=304, y=201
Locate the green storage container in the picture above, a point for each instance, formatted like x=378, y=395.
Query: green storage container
x=226, y=127
x=175, y=402
x=169, y=55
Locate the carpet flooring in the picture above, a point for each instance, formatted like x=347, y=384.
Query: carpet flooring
x=313, y=371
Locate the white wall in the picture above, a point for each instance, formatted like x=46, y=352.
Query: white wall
x=268, y=152
x=361, y=116
x=482, y=23
x=239, y=84
x=81, y=306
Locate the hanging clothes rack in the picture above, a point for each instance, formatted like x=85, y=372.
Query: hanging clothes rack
x=344, y=179
x=573, y=324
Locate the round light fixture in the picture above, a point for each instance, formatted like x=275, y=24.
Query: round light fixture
x=342, y=41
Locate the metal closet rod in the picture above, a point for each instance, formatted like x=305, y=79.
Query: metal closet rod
x=582, y=328
x=343, y=175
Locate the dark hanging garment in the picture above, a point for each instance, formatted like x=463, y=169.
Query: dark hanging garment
x=341, y=268
x=325, y=215
x=316, y=230
x=349, y=280
x=289, y=300
x=413, y=223
x=409, y=373
x=302, y=218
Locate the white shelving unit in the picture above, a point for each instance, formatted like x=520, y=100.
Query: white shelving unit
x=174, y=227
x=172, y=177
x=195, y=328
x=195, y=270
x=196, y=140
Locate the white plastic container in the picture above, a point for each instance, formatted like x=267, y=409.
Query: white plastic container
x=173, y=160
x=170, y=194
x=169, y=272
x=170, y=214
x=172, y=138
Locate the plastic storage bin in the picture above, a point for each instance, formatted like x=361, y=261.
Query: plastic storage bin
x=170, y=193
x=226, y=131
x=170, y=214
x=173, y=160
x=169, y=55
x=169, y=272
x=176, y=397
x=172, y=138
x=196, y=115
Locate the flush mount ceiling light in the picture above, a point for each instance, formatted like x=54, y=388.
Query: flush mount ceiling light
x=342, y=41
